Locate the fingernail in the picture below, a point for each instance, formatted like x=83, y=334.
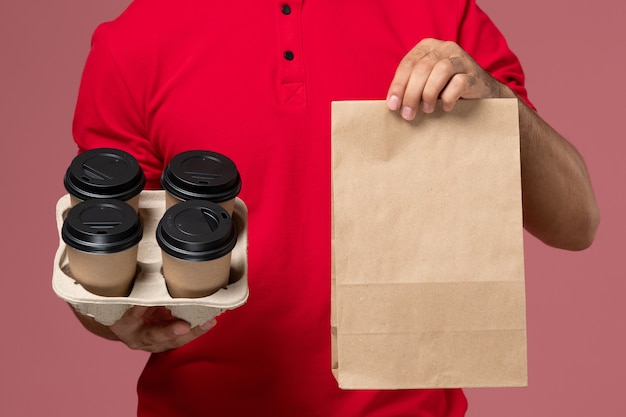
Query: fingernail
x=208, y=325
x=180, y=329
x=393, y=103
x=426, y=108
x=407, y=113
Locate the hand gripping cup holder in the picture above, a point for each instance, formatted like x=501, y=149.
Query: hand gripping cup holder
x=149, y=288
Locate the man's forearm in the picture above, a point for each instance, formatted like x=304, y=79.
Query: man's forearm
x=559, y=204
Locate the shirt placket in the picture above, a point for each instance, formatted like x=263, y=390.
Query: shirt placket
x=290, y=53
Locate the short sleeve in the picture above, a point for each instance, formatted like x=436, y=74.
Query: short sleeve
x=107, y=112
x=480, y=37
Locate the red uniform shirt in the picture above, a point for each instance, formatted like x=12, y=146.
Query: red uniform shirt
x=254, y=80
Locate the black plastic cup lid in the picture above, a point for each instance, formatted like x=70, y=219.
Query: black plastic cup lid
x=196, y=230
x=104, y=173
x=102, y=226
x=201, y=175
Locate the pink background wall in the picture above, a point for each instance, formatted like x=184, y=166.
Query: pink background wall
x=573, y=53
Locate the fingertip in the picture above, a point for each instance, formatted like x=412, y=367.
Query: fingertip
x=407, y=113
x=137, y=312
x=208, y=325
x=393, y=102
x=447, y=106
x=180, y=329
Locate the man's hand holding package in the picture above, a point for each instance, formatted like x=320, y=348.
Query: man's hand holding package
x=434, y=70
x=151, y=329
x=154, y=329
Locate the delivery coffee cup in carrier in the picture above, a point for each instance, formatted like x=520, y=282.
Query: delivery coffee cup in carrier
x=102, y=237
x=105, y=173
x=201, y=175
x=196, y=239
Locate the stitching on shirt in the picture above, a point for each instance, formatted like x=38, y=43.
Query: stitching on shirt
x=294, y=94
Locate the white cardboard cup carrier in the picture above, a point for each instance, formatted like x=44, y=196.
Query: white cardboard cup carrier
x=149, y=287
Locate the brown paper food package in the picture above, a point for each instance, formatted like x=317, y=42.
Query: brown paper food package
x=428, y=283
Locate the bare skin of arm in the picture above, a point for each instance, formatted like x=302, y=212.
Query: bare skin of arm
x=558, y=202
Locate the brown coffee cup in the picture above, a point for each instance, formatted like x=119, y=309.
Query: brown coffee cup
x=102, y=237
x=201, y=175
x=105, y=173
x=196, y=239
